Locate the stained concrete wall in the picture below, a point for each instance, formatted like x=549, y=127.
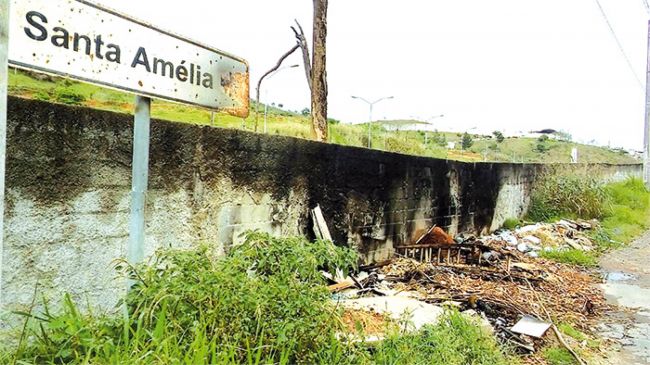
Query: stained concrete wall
x=68, y=193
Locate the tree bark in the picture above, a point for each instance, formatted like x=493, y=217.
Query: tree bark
x=319, y=72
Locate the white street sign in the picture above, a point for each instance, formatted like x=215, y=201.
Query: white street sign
x=86, y=42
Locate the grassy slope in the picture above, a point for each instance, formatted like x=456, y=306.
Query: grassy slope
x=286, y=123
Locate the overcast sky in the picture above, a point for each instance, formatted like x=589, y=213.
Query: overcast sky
x=511, y=65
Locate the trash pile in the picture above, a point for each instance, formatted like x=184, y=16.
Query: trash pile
x=499, y=277
x=531, y=239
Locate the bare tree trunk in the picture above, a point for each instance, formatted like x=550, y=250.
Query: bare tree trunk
x=319, y=72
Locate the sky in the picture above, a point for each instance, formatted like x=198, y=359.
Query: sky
x=508, y=65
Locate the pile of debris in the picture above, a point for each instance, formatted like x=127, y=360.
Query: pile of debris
x=531, y=239
x=499, y=277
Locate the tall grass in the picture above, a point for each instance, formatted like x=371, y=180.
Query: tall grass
x=265, y=302
x=623, y=209
x=569, y=194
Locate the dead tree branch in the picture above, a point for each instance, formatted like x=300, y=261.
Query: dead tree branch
x=259, y=83
x=302, y=42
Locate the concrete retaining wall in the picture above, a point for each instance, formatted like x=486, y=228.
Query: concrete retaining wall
x=68, y=189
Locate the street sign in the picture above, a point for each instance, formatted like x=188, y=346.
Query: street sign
x=86, y=42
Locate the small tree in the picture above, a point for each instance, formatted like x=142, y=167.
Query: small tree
x=467, y=141
x=439, y=139
x=543, y=138
x=499, y=136
x=305, y=112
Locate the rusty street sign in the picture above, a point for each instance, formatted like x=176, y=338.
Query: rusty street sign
x=86, y=42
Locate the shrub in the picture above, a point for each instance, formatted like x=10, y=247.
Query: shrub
x=499, y=136
x=542, y=147
x=66, y=95
x=511, y=223
x=439, y=139
x=42, y=95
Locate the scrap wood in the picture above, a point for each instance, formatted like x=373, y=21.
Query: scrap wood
x=320, y=226
x=335, y=288
x=565, y=290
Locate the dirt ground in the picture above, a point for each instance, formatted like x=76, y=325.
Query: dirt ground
x=627, y=284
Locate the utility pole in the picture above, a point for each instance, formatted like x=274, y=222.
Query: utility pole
x=646, y=134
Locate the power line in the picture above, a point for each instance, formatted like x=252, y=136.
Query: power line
x=618, y=42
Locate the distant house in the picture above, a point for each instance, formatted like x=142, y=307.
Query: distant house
x=405, y=125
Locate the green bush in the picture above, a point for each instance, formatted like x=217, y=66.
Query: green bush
x=66, y=95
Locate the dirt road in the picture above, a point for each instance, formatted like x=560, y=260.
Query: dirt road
x=627, y=284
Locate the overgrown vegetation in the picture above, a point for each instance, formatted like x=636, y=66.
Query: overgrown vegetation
x=567, y=194
x=264, y=302
x=455, y=341
x=622, y=208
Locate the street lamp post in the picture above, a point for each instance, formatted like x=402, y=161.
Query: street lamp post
x=426, y=133
x=370, y=105
x=266, y=102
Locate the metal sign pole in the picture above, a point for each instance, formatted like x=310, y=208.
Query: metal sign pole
x=140, y=178
x=646, y=130
x=4, y=80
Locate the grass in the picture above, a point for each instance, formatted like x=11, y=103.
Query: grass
x=558, y=356
x=288, y=123
x=264, y=302
x=511, y=223
x=572, y=256
x=456, y=340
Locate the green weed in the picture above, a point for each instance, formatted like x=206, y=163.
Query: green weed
x=558, y=356
x=66, y=95
x=572, y=257
x=511, y=223
x=456, y=340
